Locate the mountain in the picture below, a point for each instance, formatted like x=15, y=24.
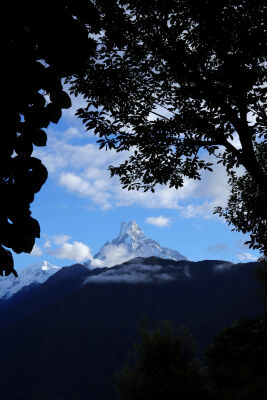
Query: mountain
x=31, y=275
x=132, y=242
x=73, y=344
x=34, y=297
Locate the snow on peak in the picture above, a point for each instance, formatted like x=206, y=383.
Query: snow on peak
x=130, y=243
x=131, y=229
x=35, y=273
x=46, y=266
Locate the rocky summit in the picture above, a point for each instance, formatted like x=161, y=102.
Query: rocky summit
x=132, y=242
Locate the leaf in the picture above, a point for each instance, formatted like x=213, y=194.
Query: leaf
x=23, y=146
x=22, y=242
x=61, y=99
x=38, y=177
x=39, y=138
x=7, y=262
x=54, y=112
x=14, y=272
x=10, y=271
x=26, y=243
x=32, y=227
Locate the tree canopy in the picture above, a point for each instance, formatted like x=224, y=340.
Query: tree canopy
x=246, y=208
x=236, y=361
x=175, y=81
x=39, y=49
x=170, y=81
x=161, y=366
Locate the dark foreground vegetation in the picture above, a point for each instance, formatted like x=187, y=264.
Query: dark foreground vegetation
x=163, y=365
x=65, y=340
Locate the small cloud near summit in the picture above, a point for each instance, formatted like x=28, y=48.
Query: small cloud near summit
x=160, y=221
x=246, y=257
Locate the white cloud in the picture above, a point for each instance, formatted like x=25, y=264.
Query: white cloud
x=163, y=197
x=47, y=244
x=95, y=190
x=204, y=210
x=131, y=273
x=115, y=254
x=160, y=221
x=77, y=251
x=223, y=267
x=246, y=257
x=60, y=239
x=82, y=169
x=212, y=191
x=72, y=132
x=36, y=251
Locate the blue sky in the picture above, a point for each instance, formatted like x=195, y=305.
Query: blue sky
x=80, y=207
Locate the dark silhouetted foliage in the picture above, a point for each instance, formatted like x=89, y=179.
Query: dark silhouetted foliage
x=261, y=271
x=161, y=367
x=198, y=67
x=43, y=43
x=237, y=361
x=246, y=208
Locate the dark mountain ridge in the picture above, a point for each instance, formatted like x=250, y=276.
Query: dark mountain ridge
x=74, y=335
x=34, y=297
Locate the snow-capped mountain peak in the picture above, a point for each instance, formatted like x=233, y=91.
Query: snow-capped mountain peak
x=32, y=274
x=129, y=244
x=46, y=266
x=132, y=242
x=131, y=229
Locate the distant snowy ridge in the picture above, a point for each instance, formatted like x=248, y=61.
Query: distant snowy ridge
x=35, y=273
x=132, y=242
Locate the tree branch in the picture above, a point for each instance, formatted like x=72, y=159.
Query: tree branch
x=159, y=115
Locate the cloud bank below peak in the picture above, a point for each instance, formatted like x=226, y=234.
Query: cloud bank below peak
x=133, y=274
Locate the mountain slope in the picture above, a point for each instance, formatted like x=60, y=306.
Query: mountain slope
x=73, y=347
x=34, y=297
x=32, y=274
